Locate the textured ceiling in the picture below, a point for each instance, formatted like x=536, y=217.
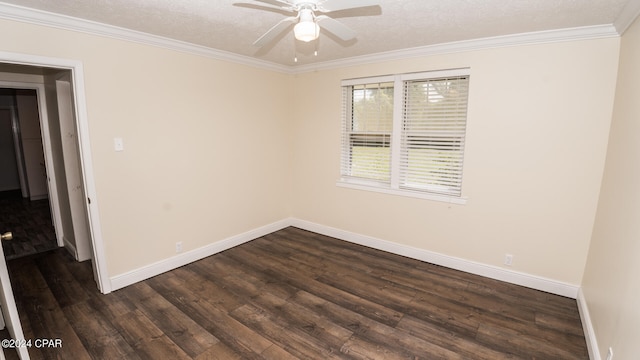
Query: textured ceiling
x=394, y=25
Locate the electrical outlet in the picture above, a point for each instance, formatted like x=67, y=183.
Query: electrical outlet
x=508, y=259
x=179, y=246
x=610, y=354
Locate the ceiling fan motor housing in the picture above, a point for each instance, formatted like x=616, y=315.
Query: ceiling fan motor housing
x=306, y=29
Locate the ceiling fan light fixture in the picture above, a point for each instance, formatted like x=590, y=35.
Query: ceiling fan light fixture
x=306, y=31
x=307, y=24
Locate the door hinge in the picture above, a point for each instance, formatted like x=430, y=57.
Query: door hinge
x=89, y=200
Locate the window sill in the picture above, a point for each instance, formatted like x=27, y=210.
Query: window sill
x=351, y=184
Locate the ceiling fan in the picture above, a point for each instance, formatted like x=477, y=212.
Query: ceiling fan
x=308, y=23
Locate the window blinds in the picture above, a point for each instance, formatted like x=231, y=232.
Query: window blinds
x=367, y=124
x=433, y=134
x=405, y=134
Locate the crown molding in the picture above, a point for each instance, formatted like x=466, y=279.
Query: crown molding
x=627, y=16
x=531, y=38
x=43, y=18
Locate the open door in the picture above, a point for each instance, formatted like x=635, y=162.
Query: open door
x=9, y=309
x=81, y=238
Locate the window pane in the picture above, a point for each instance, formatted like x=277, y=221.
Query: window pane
x=370, y=157
x=433, y=164
x=368, y=126
x=434, y=123
x=372, y=107
x=436, y=104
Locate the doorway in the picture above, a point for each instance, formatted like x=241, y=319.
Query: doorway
x=60, y=88
x=24, y=196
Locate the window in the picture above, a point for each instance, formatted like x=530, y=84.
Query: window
x=369, y=131
x=405, y=134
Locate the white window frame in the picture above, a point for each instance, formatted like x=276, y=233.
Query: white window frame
x=393, y=187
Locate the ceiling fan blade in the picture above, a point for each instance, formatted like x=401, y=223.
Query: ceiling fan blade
x=278, y=3
x=336, y=28
x=335, y=5
x=278, y=10
x=276, y=30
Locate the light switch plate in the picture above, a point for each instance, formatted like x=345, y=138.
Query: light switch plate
x=118, y=144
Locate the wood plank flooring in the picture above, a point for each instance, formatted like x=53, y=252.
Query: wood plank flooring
x=29, y=221
x=292, y=295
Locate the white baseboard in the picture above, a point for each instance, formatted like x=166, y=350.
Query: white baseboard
x=510, y=276
x=71, y=248
x=587, y=327
x=39, y=197
x=531, y=281
x=493, y=272
x=149, y=271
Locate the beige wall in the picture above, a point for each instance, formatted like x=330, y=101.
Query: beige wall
x=206, y=142
x=206, y=152
x=610, y=285
x=537, y=132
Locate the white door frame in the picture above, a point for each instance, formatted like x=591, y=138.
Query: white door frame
x=86, y=165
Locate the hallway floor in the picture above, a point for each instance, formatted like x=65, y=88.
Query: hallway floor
x=29, y=221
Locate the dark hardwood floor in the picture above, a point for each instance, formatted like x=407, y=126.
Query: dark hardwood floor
x=29, y=221
x=292, y=295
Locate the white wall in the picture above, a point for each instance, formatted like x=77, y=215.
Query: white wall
x=610, y=285
x=206, y=142
x=537, y=132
